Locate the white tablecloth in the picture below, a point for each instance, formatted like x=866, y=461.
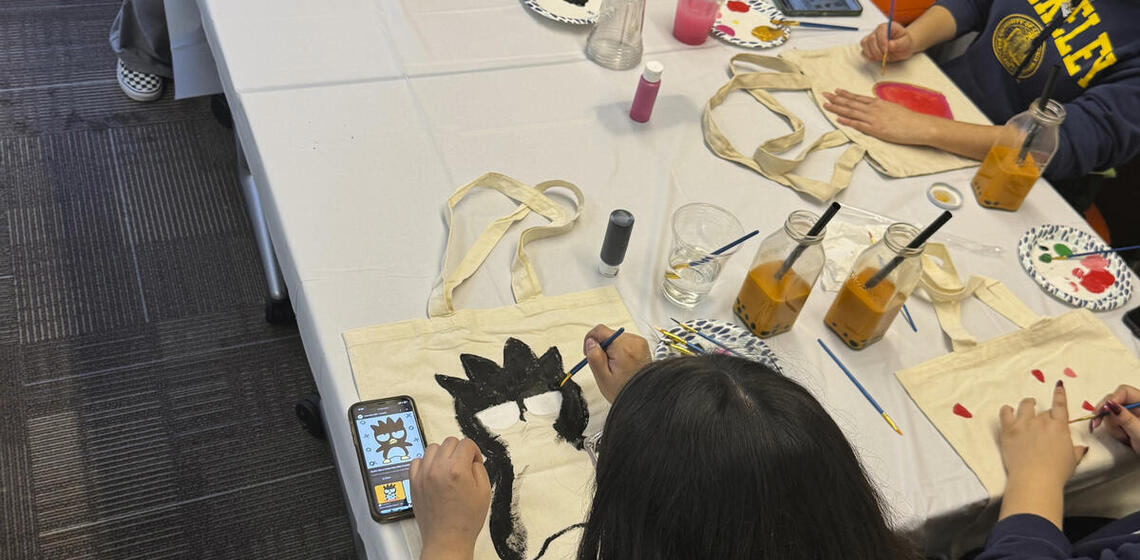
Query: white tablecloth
x=359, y=119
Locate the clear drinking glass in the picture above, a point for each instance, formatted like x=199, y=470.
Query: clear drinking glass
x=615, y=40
x=692, y=269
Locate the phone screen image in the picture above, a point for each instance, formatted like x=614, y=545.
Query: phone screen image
x=388, y=438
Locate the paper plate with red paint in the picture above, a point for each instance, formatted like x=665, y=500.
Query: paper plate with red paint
x=737, y=20
x=577, y=12
x=915, y=98
x=1095, y=282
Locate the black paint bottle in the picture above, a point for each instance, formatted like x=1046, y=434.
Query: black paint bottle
x=616, y=242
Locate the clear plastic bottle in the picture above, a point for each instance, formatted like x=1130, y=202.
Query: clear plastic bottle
x=773, y=295
x=1024, y=148
x=615, y=40
x=861, y=314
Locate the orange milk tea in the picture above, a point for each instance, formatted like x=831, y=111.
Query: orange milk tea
x=860, y=316
x=1000, y=182
x=769, y=307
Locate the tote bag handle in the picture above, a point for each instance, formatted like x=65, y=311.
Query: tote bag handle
x=941, y=283
x=765, y=159
x=524, y=281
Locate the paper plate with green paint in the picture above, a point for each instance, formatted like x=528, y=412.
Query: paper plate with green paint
x=1095, y=282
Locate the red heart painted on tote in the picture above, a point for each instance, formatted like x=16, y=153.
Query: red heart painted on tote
x=1088, y=406
x=961, y=411
x=1069, y=372
x=1040, y=376
x=915, y=98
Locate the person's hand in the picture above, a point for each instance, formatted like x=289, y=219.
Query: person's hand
x=1038, y=448
x=882, y=119
x=614, y=367
x=900, y=47
x=451, y=495
x=1122, y=424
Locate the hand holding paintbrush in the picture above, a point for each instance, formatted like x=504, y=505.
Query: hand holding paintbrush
x=615, y=363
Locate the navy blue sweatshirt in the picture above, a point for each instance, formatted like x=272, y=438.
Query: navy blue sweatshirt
x=1026, y=536
x=1098, y=47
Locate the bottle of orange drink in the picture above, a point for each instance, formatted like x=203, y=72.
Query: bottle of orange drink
x=1019, y=156
x=868, y=303
x=774, y=293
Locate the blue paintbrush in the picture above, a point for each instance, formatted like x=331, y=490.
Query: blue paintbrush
x=582, y=364
x=859, y=386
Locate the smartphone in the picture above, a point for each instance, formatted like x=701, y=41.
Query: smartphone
x=807, y=8
x=1132, y=319
x=388, y=436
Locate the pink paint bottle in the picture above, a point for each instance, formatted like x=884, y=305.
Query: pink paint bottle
x=646, y=94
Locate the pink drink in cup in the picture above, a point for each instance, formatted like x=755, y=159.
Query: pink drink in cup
x=694, y=20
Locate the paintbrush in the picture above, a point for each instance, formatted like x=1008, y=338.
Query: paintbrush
x=706, y=337
x=582, y=364
x=1100, y=252
x=859, y=386
x=906, y=315
x=681, y=341
x=682, y=349
x=887, y=47
x=673, y=275
x=813, y=25
x=815, y=230
x=914, y=244
x=1100, y=414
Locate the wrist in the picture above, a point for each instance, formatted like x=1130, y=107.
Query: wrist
x=932, y=132
x=1035, y=493
x=449, y=549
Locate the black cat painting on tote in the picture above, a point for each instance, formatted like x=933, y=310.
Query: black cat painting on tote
x=521, y=377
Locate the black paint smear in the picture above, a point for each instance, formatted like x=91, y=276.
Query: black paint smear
x=522, y=375
x=580, y=3
x=551, y=538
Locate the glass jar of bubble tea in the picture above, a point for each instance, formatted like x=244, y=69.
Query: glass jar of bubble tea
x=1018, y=157
x=773, y=294
x=868, y=302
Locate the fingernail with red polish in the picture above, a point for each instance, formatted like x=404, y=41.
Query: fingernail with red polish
x=1115, y=408
x=1060, y=383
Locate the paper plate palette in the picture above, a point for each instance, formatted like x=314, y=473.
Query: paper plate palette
x=577, y=12
x=738, y=18
x=1096, y=282
x=732, y=335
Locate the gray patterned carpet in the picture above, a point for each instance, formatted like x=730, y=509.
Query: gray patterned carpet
x=145, y=405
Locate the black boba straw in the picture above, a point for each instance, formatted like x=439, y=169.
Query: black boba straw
x=914, y=244
x=1043, y=102
x=799, y=249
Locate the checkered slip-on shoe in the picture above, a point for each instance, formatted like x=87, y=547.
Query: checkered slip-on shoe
x=139, y=86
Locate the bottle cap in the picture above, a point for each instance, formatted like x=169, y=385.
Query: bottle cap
x=617, y=237
x=653, y=70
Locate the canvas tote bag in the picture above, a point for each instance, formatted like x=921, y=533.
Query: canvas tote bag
x=961, y=392
x=827, y=70
x=492, y=375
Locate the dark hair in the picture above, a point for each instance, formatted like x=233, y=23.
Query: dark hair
x=720, y=457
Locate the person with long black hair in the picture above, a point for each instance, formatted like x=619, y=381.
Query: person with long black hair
x=701, y=457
